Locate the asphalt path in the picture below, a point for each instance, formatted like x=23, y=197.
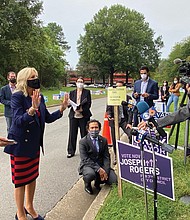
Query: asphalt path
x=58, y=174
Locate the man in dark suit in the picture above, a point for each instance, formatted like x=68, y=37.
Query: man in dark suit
x=5, y=97
x=125, y=118
x=145, y=89
x=95, y=158
x=80, y=116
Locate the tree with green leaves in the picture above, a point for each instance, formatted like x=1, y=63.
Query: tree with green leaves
x=53, y=67
x=119, y=39
x=167, y=67
x=18, y=20
x=25, y=42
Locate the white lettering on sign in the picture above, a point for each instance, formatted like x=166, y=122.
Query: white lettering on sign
x=147, y=170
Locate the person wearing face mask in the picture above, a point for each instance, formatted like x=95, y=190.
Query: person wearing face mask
x=28, y=123
x=164, y=92
x=145, y=89
x=78, y=117
x=95, y=158
x=125, y=115
x=174, y=94
x=5, y=97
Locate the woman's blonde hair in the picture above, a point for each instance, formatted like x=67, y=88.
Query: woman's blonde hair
x=22, y=77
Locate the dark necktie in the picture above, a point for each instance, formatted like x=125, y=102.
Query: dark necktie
x=95, y=144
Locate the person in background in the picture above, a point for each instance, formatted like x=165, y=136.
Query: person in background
x=176, y=117
x=78, y=117
x=5, y=97
x=145, y=89
x=95, y=158
x=174, y=94
x=125, y=119
x=28, y=123
x=164, y=91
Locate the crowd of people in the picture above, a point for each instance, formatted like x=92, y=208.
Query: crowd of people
x=26, y=114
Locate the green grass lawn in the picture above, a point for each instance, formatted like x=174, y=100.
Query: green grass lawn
x=49, y=94
x=132, y=207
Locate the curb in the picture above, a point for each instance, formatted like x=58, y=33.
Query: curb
x=97, y=203
x=77, y=204
x=73, y=205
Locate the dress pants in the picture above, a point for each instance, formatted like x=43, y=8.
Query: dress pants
x=89, y=175
x=74, y=124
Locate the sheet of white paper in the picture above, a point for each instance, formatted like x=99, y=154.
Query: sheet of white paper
x=73, y=104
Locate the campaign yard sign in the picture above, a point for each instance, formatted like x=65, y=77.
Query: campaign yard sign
x=46, y=99
x=148, y=146
x=116, y=95
x=130, y=169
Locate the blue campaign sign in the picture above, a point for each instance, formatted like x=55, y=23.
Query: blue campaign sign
x=130, y=169
x=45, y=99
x=62, y=93
x=148, y=146
x=161, y=114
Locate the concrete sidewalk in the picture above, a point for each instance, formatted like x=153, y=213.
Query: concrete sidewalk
x=77, y=204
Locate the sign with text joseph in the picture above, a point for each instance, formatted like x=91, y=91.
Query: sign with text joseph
x=130, y=169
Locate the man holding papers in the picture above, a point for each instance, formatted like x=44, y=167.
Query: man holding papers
x=79, y=115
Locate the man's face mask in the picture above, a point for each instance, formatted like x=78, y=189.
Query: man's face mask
x=94, y=133
x=12, y=80
x=143, y=76
x=33, y=83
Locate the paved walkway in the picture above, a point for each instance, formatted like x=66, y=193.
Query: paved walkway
x=77, y=204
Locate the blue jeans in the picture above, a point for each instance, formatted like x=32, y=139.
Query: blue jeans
x=172, y=98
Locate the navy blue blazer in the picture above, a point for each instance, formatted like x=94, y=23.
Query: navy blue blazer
x=28, y=130
x=5, y=98
x=152, y=90
x=85, y=107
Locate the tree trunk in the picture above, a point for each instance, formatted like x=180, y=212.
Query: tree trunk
x=104, y=81
x=127, y=76
x=111, y=75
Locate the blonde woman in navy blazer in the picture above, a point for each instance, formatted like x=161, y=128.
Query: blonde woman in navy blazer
x=29, y=117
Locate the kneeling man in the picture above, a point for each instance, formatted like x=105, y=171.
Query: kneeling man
x=95, y=158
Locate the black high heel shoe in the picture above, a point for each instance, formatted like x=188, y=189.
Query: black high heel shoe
x=37, y=218
x=16, y=217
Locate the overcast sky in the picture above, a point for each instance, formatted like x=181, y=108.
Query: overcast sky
x=168, y=18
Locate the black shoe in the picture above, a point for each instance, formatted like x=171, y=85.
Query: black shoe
x=88, y=188
x=97, y=186
x=37, y=218
x=70, y=155
x=26, y=212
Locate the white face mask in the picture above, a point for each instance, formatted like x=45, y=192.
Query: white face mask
x=175, y=81
x=80, y=85
x=143, y=76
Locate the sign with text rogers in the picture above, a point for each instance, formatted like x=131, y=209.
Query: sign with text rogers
x=130, y=169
